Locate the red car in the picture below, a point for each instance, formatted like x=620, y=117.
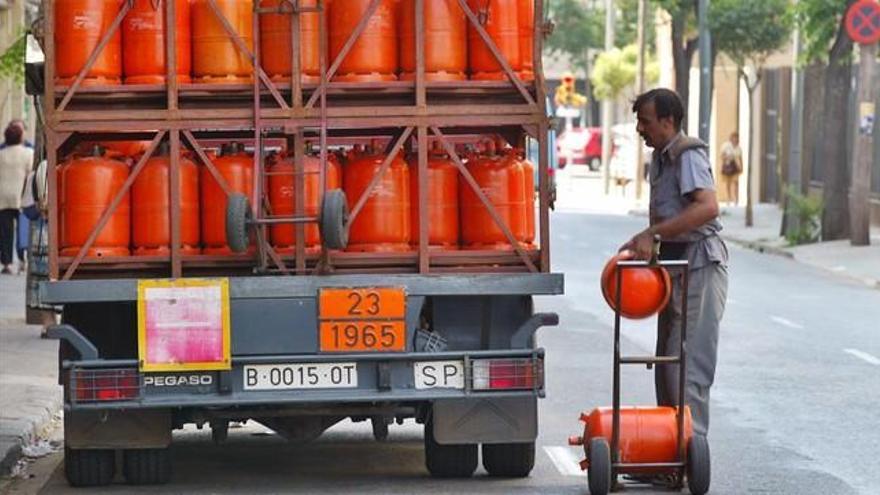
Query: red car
x=580, y=146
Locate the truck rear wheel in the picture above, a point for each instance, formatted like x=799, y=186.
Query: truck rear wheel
x=89, y=467
x=146, y=466
x=510, y=460
x=448, y=461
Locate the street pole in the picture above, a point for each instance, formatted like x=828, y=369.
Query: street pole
x=705, y=46
x=640, y=88
x=607, y=104
x=863, y=149
x=796, y=130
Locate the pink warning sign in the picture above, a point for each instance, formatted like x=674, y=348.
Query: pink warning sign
x=183, y=324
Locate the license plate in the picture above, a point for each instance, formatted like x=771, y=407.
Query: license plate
x=360, y=336
x=439, y=374
x=362, y=319
x=300, y=376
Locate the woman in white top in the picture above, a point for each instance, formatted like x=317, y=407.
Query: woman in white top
x=15, y=163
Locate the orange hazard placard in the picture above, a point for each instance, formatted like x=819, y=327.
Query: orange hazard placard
x=362, y=319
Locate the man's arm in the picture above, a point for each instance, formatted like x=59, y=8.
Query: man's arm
x=703, y=209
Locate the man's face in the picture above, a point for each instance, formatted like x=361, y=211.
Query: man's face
x=655, y=132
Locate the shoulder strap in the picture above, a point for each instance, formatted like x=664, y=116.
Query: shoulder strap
x=683, y=144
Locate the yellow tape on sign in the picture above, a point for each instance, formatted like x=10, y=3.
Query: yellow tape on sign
x=183, y=324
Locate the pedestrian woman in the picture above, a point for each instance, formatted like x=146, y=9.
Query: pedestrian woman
x=15, y=163
x=731, y=167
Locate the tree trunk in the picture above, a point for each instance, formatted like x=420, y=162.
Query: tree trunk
x=835, y=191
x=750, y=221
x=682, y=55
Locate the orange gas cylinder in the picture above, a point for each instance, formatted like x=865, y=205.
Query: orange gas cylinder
x=443, y=226
x=128, y=149
x=282, y=198
x=644, y=290
x=237, y=168
x=151, y=207
x=275, y=36
x=87, y=186
x=501, y=20
x=384, y=223
x=529, y=190
x=373, y=57
x=143, y=42
x=79, y=27
x=215, y=57
x=501, y=180
x=526, y=11
x=445, y=41
x=647, y=434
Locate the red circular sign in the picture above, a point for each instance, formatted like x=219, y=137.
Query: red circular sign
x=863, y=22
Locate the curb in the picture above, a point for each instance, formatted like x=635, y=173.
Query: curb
x=760, y=247
x=17, y=433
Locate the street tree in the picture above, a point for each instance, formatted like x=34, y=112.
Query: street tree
x=615, y=71
x=748, y=32
x=825, y=40
x=12, y=59
x=685, y=41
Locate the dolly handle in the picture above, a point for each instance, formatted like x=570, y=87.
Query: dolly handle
x=655, y=252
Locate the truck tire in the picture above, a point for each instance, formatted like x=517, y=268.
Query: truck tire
x=448, y=461
x=334, y=216
x=238, y=212
x=146, y=466
x=509, y=460
x=89, y=467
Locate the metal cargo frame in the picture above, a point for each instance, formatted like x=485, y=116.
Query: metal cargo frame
x=192, y=114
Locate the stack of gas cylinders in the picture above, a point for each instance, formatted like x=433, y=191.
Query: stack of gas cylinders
x=204, y=52
x=389, y=220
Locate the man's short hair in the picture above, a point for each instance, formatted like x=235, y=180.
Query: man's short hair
x=666, y=104
x=13, y=135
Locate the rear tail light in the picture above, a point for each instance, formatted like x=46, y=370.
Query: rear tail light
x=508, y=374
x=105, y=385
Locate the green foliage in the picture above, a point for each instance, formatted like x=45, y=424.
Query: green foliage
x=577, y=29
x=615, y=70
x=12, y=59
x=808, y=217
x=748, y=31
x=818, y=21
x=626, y=28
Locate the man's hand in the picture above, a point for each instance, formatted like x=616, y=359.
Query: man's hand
x=642, y=245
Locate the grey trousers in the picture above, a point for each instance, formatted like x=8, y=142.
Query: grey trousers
x=707, y=295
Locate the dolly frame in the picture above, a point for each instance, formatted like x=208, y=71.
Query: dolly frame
x=680, y=464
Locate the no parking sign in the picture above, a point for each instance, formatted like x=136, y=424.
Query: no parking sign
x=863, y=22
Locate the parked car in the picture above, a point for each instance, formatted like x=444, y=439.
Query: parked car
x=580, y=146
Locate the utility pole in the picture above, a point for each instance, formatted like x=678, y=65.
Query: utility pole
x=640, y=88
x=864, y=147
x=705, y=46
x=796, y=130
x=607, y=105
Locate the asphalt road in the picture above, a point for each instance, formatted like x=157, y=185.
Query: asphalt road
x=795, y=404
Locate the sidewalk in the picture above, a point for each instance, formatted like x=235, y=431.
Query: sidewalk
x=859, y=263
x=29, y=392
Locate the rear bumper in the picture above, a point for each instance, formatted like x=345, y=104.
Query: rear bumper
x=381, y=378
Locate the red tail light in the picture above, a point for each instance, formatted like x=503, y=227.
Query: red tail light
x=508, y=374
x=105, y=385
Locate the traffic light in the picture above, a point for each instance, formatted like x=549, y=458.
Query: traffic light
x=566, y=94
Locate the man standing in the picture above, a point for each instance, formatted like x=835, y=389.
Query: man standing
x=683, y=212
x=15, y=163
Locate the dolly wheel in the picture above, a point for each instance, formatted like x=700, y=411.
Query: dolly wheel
x=334, y=215
x=510, y=460
x=699, y=466
x=146, y=466
x=238, y=214
x=448, y=461
x=89, y=467
x=599, y=471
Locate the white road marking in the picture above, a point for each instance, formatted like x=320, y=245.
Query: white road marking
x=786, y=322
x=864, y=356
x=565, y=461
